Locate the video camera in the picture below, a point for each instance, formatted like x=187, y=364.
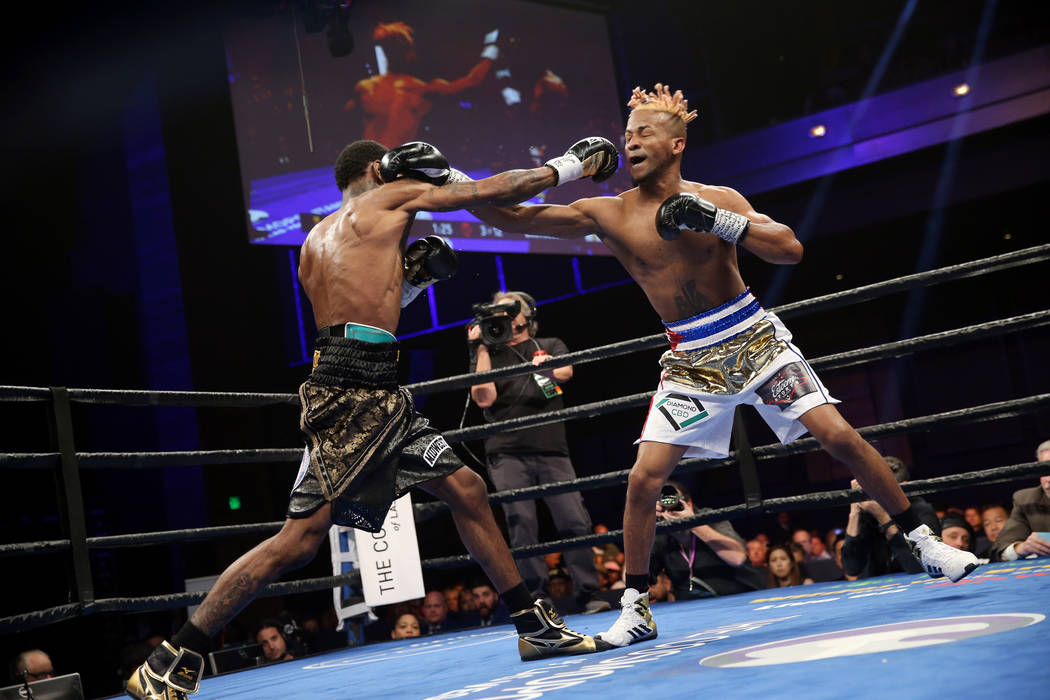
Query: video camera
x=496, y=321
x=670, y=500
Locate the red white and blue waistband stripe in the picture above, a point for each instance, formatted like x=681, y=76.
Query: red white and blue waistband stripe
x=714, y=326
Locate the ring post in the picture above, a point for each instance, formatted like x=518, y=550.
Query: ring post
x=746, y=459
x=70, y=494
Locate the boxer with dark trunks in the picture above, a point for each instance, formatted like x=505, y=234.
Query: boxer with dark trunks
x=366, y=444
x=678, y=240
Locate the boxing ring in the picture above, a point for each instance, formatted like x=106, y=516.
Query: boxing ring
x=892, y=636
x=704, y=637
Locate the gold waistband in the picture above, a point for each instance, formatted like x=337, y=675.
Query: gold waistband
x=728, y=367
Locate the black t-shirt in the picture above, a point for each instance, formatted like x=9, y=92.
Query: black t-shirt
x=522, y=396
x=673, y=558
x=871, y=554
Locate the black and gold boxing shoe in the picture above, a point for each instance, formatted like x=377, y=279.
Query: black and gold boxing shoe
x=542, y=634
x=168, y=674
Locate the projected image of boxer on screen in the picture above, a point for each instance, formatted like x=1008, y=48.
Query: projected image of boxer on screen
x=395, y=102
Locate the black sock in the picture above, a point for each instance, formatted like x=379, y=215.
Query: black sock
x=907, y=520
x=517, y=598
x=192, y=638
x=639, y=582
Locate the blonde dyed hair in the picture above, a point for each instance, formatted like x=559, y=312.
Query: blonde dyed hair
x=662, y=100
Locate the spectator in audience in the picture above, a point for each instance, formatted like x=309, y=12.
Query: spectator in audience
x=783, y=569
x=661, y=590
x=874, y=544
x=764, y=539
x=830, y=538
x=611, y=576
x=993, y=518
x=490, y=609
x=554, y=562
x=274, y=643
x=836, y=547
x=31, y=665
x=708, y=559
x=561, y=585
x=1019, y=538
x=973, y=516
x=467, y=607
x=406, y=627
x=956, y=532
x=605, y=552
x=816, y=548
x=798, y=553
x=319, y=632
x=804, y=540
x=757, y=550
x=435, y=618
x=452, y=598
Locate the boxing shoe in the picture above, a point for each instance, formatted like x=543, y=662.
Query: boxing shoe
x=635, y=623
x=168, y=674
x=938, y=558
x=542, y=634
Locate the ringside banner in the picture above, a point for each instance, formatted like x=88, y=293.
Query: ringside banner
x=389, y=559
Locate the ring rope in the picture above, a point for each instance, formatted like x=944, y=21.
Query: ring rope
x=425, y=511
x=834, y=361
x=820, y=499
x=92, y=460
x=974, y=268
x=974, y=414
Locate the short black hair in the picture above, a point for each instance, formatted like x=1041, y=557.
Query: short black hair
x=354, y=160
x=270, y=622
x=478, y=583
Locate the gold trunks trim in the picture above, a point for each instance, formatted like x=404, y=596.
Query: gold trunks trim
x=728, y=367
x=345, y=428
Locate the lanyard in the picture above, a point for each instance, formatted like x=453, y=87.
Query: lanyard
x=692, y=554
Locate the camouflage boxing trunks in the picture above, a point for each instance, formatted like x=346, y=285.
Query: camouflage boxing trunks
x=366, y=444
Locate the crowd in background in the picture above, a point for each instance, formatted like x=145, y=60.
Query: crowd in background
x=704, y=561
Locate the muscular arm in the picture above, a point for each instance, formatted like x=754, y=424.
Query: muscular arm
x=484, y=395
x=471, y=79
x=572, y=221
x=771, y=241
x=506, y=188
x=729, y=549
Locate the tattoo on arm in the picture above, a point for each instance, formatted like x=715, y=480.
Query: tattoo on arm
x=522, y=184
x=224, y=602
x=690, y=301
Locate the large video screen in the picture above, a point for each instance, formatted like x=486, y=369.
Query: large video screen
x=494, y=85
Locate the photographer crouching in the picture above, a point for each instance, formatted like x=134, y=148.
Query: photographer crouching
x=504, y=333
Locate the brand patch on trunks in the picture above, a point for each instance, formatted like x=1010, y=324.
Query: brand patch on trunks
x=787, y=386
x=681, y=411
x=434, y=450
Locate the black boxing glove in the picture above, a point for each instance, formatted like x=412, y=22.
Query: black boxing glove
x=416, y=160
x=590, y=157
x=427, y=260
x=687, y=211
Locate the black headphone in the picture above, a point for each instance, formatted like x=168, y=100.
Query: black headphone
x=531, y=313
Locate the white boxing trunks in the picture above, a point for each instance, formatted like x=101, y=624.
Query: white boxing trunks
x=737, y=353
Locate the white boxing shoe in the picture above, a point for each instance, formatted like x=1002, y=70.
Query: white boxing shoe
x=635, y=623
x=938, y=558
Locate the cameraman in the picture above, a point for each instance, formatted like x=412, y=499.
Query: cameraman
x=705, y=560
x=536, y=455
